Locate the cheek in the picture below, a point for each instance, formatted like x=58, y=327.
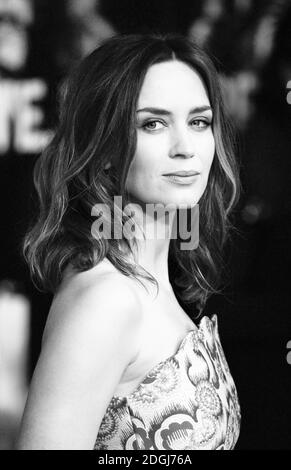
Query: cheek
x=139, y=169
x=208, y=152
x=211, y=144
x=146, y=158
x=142, y=168
x=207, y=157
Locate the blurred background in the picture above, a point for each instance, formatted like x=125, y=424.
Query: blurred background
x=250, y=42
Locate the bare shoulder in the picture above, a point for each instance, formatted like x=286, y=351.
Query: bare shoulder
x=100, y=299
x=91, y=337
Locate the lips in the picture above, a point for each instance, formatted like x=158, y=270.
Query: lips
x=183, y=173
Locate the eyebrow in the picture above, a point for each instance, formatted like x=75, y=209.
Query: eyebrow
x=164, y=112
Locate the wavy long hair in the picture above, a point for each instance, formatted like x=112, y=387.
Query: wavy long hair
x=97, y=125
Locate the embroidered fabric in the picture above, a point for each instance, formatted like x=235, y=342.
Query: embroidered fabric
x=186, y=402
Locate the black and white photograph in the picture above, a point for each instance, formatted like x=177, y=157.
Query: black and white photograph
x=145, y=255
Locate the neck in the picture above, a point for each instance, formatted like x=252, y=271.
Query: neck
x=153, y=235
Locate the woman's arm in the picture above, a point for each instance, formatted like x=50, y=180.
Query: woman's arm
x=90, y=338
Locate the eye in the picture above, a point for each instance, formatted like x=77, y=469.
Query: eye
x=200, y=123
x=152, y=125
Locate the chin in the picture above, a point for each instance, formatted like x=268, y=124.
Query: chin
x=182, y=202
x=173, y=199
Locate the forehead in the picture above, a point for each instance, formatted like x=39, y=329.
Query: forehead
x=172, y=83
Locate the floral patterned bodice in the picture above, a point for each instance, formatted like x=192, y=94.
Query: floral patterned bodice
x=186, y=402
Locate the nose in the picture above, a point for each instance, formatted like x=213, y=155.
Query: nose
x=182, y=144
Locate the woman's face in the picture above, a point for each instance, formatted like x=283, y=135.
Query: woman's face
x=173, y=134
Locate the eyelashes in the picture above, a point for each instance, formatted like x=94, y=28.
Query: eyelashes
x=147, y=125
x=200, y=124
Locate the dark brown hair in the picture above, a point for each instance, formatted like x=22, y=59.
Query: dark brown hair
x=97, y=125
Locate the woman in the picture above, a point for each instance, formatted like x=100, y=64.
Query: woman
x=122, y=365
